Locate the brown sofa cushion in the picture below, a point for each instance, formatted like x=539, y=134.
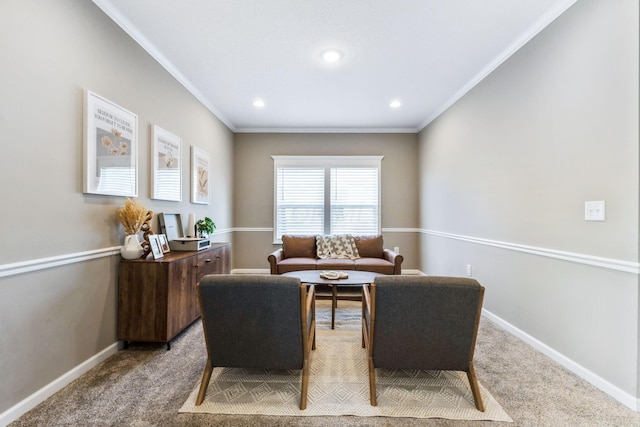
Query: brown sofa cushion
x=299, y=246
x=335, y=264
x=296, y=264
x=375, y=265
x=370, y=246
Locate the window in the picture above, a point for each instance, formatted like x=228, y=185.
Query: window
x=326, y=195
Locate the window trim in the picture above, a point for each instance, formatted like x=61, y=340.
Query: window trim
x=327, y=162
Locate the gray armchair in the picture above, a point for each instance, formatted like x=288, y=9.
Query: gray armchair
x=422, y=322
x=257, y=321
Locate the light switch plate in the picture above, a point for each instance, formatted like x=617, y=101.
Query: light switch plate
x=594, y=210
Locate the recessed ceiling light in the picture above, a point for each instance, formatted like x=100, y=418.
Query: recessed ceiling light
x=395, y=104
x=331, y=55
x=259, y=103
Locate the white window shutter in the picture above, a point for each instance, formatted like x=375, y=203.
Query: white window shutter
x=299, y=201
x=326, y=195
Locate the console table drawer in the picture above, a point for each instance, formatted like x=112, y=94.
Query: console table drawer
x=214, y=261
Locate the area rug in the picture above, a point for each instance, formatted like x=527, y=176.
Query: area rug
x=339, y=385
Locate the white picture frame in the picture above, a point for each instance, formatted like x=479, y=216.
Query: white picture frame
x=200, y=171
x=110, y=164
x=156, y=249
x=166, y=161
x=164, y=243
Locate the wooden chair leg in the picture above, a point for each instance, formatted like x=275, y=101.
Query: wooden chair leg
x=372, y=383
x=305, y=384
x=475, y=388
x=206, y=377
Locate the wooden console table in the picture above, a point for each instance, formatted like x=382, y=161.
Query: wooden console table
x=157, y=299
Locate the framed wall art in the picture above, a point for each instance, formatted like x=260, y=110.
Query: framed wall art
x=199, y=176
x=166, y=179
x=110, y=148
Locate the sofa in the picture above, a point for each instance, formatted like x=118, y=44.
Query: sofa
x=339, y=252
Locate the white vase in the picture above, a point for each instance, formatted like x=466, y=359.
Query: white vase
x=131, y=248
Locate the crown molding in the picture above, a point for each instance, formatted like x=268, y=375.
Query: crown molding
x=550, y=16
x=150, y=48
x=307, y=130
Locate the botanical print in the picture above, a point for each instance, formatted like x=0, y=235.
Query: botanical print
x=199, y=176
x=168, y=154
x=203, y=182
x=112, y=151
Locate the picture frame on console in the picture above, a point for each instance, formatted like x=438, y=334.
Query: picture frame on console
x=166, y=174
x=164, y=243
x=110, y=164
x=156, y=248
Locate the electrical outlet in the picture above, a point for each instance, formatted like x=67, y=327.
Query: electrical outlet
x=396, y=249
x=594, y=210
x=469, y=270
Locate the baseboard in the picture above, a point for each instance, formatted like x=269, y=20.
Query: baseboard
x=621, y=396
x=412, y=273
x=56, y=385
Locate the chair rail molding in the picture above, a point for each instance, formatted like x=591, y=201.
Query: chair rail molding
x=608, y=263
x=29, y=266
x=384, y=229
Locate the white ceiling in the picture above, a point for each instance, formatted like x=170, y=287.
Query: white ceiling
x=425, y=53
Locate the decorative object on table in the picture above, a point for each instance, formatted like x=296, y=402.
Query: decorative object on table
x=205, y=227
x=134, y=218
x=334, y=275
x=191, y=226
x=166, y=179
x=199, y=176
x=156, y=249
x=164, y=243
x=171, y=225
x=146, y=232
x=132, y=249
x=110, y=148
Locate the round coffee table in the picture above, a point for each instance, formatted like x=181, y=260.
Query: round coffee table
x=356, y=278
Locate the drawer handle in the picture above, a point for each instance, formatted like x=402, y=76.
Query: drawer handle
x=207, y=260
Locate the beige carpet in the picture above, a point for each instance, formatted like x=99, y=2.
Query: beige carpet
x=338, y=385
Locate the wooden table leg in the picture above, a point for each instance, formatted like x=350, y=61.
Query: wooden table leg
x=334, y=304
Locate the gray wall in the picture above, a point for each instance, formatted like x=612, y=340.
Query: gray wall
x=504, y=175
x=55, y=318
x=253, y=187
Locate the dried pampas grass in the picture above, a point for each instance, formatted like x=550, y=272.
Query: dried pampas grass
x=132, y=216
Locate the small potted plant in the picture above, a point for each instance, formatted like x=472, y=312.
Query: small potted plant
x=205, y=227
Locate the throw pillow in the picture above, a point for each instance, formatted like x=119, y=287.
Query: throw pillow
x=343, y=246
x=299, y=246
x=370, y=246
x=323, y=246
